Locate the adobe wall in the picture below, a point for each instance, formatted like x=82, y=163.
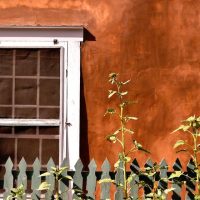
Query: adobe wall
x=156, y=43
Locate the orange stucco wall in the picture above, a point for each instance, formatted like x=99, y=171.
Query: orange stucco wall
x=156, y=43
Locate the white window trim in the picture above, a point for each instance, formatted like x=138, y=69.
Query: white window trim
x=68, y=39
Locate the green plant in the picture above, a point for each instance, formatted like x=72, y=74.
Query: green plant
x=16, y=193
x=120, y=135
x=57, y=173
x=191, y=126
x=152, y=173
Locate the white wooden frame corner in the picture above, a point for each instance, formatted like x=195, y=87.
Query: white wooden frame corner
x=68, y=40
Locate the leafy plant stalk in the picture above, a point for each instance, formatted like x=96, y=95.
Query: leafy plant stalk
x=120, y=135
x=57, y=173
x=191, y=126
x=17, y=193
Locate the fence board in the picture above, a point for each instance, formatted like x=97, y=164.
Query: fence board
x=78, y=180
x=135, y=168
x=50, y=180
x=22, y=178
x=163, y=183
x=8, y=178
x=134, y=184
x=176, y=181
x=190, y=185
x=91, y=180
x=105, y=187
x=64, y=185
x=36, y=180
x=119, y=180
x=136, y=177
x=149, y=180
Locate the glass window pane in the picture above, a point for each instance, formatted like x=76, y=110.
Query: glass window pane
x=5, y=130
x=49, y=130
x=5, y=112
x=50, y=62
x=29, y=149
x=7, y=149
x=25, y=91
x=29, y=113
x=49, y=92
x=6, y=61
x=6, y=91
x=49, y=113
x=26, y=62
x=50, y=149
x=26, y=130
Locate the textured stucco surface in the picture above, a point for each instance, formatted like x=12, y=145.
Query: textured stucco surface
x=156, y=43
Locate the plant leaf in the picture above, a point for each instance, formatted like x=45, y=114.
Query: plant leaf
x=112, y=77
x=53, y=168
x=179, y=143
x=111, y=138
x=44, y=186
x=185, y=128
x=190, y=119
x=125, y=82
x=130, y=178
x=166, y=191
x=45, y=174
x=181, y=127
x=116, y=165
x=68, y=177
x=128, y=130
x=175, y=174
x=131, y=118
x=123, y=93
x=105, y=180
x=110, y=111
x=111, y=93
x=61, y=170
x=117, y=131
x=139, y=147
x=127, y=159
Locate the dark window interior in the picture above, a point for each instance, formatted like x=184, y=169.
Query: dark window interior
x=29, y=88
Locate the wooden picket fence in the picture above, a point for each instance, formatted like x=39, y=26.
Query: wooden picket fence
x=87, y=180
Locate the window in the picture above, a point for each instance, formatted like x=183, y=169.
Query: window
x=39, y=87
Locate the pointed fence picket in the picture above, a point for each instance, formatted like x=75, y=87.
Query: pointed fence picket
x=140, y=184
x=50, y=180
x=176, y=181
x=105, y=186
x=36, y=180
x=162, y=184
x=91, y=180
x=148, y=179
x=8, y=178
x=119, y=180
x=190, y=186
x=22, y=177
x=64, y=186
x=135, y=168
x=78, y=180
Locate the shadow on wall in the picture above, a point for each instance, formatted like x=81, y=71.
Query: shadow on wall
x=88, y=36
x=84, y=146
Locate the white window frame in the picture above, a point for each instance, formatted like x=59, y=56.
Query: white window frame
x=68, y=39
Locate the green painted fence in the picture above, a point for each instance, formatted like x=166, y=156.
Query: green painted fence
x=87, y=181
